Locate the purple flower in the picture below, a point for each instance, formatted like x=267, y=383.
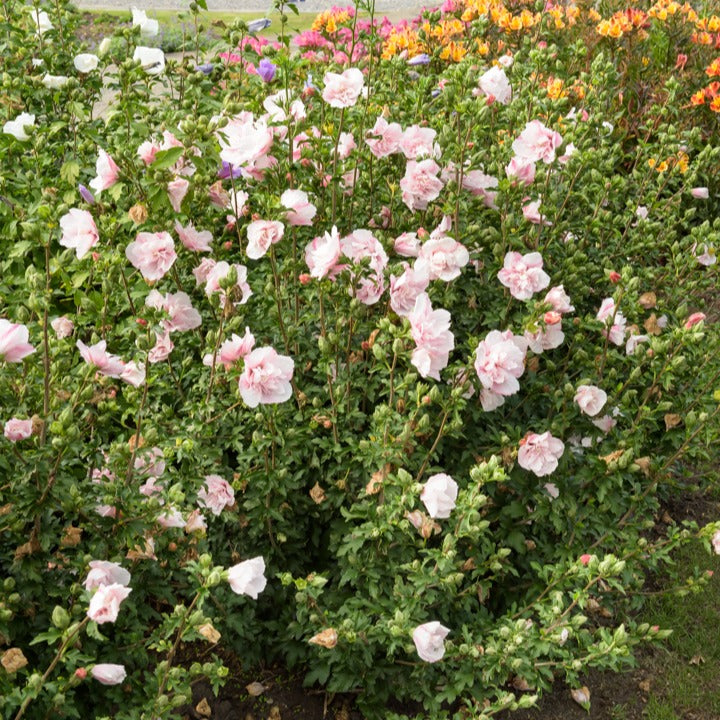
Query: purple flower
x=422, y=59
x=266, y=70
x=227, y=170
x=86, y=195
x=258, y=25
x=206, y=68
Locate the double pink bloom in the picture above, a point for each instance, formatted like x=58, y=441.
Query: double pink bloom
x=433, y=338
x=79, y=231
x=153, y=254
x=540, y=453
x=523, y=274
x=266, y=378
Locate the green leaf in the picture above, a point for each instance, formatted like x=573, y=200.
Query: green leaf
x=167, y=158
x=70, y=171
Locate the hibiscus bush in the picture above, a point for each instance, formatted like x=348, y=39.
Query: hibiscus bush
x=379, y=361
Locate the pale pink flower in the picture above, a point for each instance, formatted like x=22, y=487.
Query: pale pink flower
x=632, y=343
x=417, y=142
x=177, y=190
x=162, y=348
x=181, y=315
x=700, y=193
x=430, y=330
x=244, y=140
x=204, y=269
x=322, y=254
x=479, y=184
x=192, y=239
x=219, y=272
x=495, y=84
x=103, y=572
x=195, y=522
x=531, y=212
x=552, y=490
x=607, y=310
x=248, y=577
x=491, y=400
x=407, y=244
x=605, y=423
x=405, y=289
x=300, y=210
x=715, y=542
x=14, y=345
x=438, y=495
x=346, y=145
x=694, y=319
x=361, y=244
x=559, y=300
x=615, y=319
x=232, y=350
x=420, y=185
x=147, y=151
x=261, y=235
x=547, y=338
x=540, y=453
x=108, y=673
x=150, y=462
x=278, y=105
x=442, y=258
x=16, y=430
x=63, y=327
x=266, y=378
x=708, y=256
x=216, y=495
x=134, y=373
x=105, y=603
x=388, y=138
x=500, y=361
x=537, y=142
x=523, y=274
x=521, y=170
x=171, y=518
x=370, y=289
x=343, y=90
x=591, y=399
x=237, y=202
x=79, y=231
x=107, y=172
x=429, y=640
x=96, y=355
x=153, y=254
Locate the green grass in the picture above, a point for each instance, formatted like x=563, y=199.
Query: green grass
x=685, y=671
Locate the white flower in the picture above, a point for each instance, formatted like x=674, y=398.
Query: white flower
x=248, y=577
x=42, y=21
x=439, y=495
x=148, y=26
x=86, y=62
x=429, y=641
x=17, y=126
x=54, y=82
x=151, y=59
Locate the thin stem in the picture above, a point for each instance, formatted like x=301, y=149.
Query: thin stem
x=52, y=666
